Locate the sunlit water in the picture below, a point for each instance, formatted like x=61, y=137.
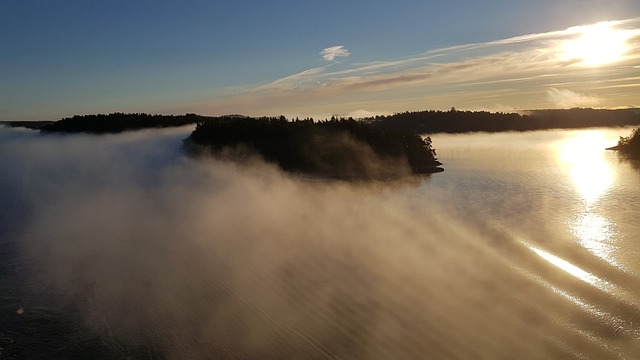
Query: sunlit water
x=561, y=188
x=564, y=198
x=526, y=247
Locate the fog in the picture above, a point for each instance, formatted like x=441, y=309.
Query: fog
x=207, y=258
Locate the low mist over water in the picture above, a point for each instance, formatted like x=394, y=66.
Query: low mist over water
x=510, y=253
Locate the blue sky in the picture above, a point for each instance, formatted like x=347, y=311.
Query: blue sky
x=60, y=58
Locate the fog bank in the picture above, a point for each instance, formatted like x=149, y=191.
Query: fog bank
x=215, y=259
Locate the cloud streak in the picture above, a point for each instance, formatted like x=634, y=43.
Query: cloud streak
x=527, y=65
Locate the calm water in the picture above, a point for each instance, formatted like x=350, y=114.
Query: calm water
x=554, y=188
x=559, y=196
x=526, y=247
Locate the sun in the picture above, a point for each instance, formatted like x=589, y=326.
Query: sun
x=596, y=44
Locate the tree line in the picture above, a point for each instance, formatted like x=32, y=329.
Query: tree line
x=421, y=122
x=455, y=121
x=118, y=122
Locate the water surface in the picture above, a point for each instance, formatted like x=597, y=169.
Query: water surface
x=121, y=246
x=560, y=196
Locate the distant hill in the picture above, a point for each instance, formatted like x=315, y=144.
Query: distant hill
x=342, y=148
x=454, y=121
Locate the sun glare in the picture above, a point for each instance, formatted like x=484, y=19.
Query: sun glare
x=582, y=159
x=596, y=44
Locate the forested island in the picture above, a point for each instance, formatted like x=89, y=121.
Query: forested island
x=629, y=146
x=342, y=148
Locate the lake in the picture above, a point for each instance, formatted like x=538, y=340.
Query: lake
x=526, y=246
x=560, y=196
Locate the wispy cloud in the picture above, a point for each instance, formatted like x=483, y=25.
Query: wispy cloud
x=525, y=71
x=333, y=52
x=567, y=98
x=291, y=81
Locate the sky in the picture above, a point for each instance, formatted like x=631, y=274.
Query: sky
x=315, y=59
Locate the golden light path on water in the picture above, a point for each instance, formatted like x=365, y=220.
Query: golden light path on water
x=573, y=269
x=581, y=157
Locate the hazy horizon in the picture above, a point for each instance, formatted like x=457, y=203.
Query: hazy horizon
x=355, y=115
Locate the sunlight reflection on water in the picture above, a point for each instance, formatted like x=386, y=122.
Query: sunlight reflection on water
x=560, y=195
x=596, y=234
x=572, y=269
x=582, y=158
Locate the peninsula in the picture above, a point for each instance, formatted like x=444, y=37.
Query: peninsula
x=629, y=146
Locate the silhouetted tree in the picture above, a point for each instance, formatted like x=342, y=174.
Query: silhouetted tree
x=629, y=146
